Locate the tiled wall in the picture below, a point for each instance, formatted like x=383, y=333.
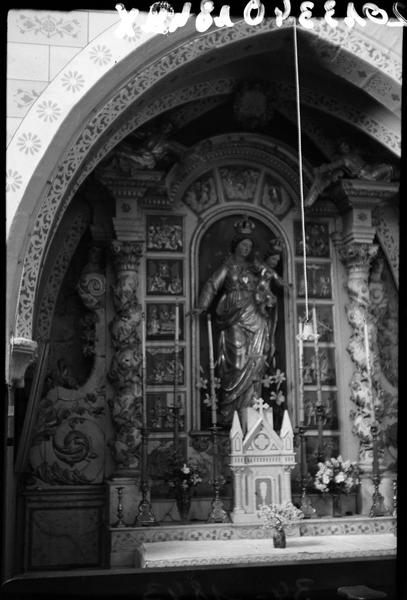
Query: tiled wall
x=40, y=44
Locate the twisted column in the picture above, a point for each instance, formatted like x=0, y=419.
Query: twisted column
x=125, y=368
x=357, y=258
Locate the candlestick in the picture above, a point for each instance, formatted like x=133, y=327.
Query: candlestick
x=119, y=522
x=303, y=446
x=176, y=368
x=217, y=514
x=301, y=365
x=145, y=515
x=306, y=505
x=144, y=367
x=378, y=508
x=316, y=351
x=394, y=513
x=320, y=421
x=211, y=371
x=176, y=323
x=366, y=336
x=367, y=352
x=375, y=466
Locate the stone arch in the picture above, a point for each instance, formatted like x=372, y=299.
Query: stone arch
x=59, y=155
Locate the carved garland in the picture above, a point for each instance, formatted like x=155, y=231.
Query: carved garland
x=75, y=231
x=267, y=154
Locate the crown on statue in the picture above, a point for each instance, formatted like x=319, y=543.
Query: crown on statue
x=275, y=246
x=244, y=226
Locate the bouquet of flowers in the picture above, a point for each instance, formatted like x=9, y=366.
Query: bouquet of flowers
x=279, y=516
x=337, y=476
x=184, y=476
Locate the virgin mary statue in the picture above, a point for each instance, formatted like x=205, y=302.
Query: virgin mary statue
x=244, y=341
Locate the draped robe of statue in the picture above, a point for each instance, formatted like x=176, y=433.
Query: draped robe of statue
x=244, y=340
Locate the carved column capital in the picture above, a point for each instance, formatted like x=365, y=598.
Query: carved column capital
x=356, y=254
x=356, y=200
x=126, y=254
x=23, y=353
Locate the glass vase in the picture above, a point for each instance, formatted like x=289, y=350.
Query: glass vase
x=336, y=505
x=183, y=500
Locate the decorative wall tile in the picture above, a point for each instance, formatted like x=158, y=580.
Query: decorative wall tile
x=161, y=366
x=48, y=27
x=59, y=57
x=316, y=239
x=29, y=143
x=318, y=280
x=27, y=61
x=21, y=95
x=100, y=21
x=326, y=366
x=164, y=233
x=14, y=180
x=73, y=81
x=48, y=111
x=330, y=420
x=12, y=125
x=160, y=414
x=161, y=321
x=100, y=54
x=165, y=277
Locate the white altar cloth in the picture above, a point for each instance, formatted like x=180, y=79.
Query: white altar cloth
x=248, y=551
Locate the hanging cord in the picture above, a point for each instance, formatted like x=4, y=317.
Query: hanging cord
x=297, y=93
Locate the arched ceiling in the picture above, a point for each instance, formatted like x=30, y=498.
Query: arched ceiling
x=349, y=85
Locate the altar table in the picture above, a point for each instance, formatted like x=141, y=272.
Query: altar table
x=183, y=553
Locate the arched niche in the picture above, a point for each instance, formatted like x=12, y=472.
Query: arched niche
x=214, y=251
x=224, y=178
x=70, y=152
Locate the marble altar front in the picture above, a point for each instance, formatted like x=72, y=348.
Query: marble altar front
x=226, y=552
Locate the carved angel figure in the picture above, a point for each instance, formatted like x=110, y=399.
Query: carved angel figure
x=141, y=151
x=349, y=163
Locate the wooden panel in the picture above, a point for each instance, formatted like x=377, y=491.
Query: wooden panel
x=65, y=528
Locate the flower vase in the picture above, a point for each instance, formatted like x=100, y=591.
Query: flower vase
x=279, y=538
x=336, y=505
x=183, y=499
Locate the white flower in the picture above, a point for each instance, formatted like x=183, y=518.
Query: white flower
x=325, y=478
x=340, y=477
x=185, y=469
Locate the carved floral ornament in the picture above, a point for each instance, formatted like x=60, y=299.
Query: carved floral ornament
x=249, y=167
